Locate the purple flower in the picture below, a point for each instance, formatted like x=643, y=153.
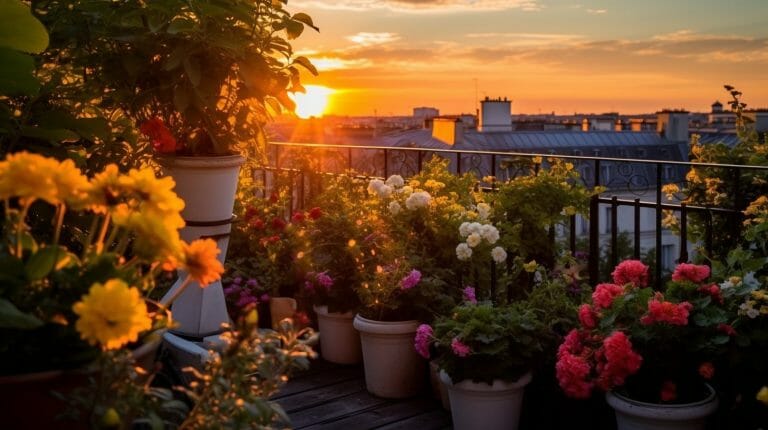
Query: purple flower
x=411, y=280
x=245, y=301
x=423, y=339
x=252, y=283
x=264, y=297
x=231, y=290
x=469, y=295
x=237, y=281
x=459, y=348
x=309, y=286
x=324, y=280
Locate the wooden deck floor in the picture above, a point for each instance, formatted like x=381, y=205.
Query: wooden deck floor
x=330, y=396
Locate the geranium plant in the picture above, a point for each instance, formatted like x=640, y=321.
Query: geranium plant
x=658, y=346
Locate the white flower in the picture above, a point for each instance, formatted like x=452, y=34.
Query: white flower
x=474, y=239
x=483, y=210
x=395, y=181
x=394, y=208
x=418, y=199
x=499, y=254
x=749, y=279
x=464, y=229
x=537, y=278
x=474, y=227
x=726, y=285
x=384, y=191
x=407, y=190
x=463, y=252
x=753, y=313
x=489, y=233
x=375, y=185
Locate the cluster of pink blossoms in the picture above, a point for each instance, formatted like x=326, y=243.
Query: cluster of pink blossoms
x=411, y=280
x=423, y=339
x=660, y=311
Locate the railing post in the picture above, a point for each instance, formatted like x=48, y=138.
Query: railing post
x=683, y=234
x=636, y=253
x=614, y=232
x=386, y=164
x=572, y=234
x=458, y=163
x=594, y=240
x=658, y=225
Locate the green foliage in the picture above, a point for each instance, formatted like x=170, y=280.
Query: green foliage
x=207, y=69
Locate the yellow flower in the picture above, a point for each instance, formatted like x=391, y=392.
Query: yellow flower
x=106, y=190
x=111, y=314
x=762, y=395
x=155, y=239
x=670, y=190
x=32, y=176
x=531, y=266
x=155, y=195
x=201, y=261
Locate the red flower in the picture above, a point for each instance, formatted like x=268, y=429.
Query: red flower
x=273, y=197
x=315, y=213
x=256, y=223
x=668, y=391
x=297, y=218
x=278, y=224
x=161, y=137
x=690, y=272
x=707, y=370
x=713, y=291
x=660, y=311
x=616, y=361
x=587, y=316
x=727, y=329
x=604, y=295
x=631, y=272
x=250, y=212
x=573, y=374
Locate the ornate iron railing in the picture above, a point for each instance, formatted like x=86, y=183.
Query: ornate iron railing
x=630, y=183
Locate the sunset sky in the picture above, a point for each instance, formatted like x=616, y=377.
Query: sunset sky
x=633, y=56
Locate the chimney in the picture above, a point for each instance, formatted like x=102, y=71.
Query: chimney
x=448, y=130
x=495, y=115
x=673, y=125
x=585, y=125
x=618, y=126
x=636, y=124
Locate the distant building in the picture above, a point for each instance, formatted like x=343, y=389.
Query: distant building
x=495, y=115
x=423, y=112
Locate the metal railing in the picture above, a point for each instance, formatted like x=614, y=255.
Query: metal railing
x=629, y=182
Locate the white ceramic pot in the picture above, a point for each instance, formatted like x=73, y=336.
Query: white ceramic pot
x=208, y=186
x=478, y=405
x=339, y=341
x=635, y=415
x=393, y=369
x=439, y=391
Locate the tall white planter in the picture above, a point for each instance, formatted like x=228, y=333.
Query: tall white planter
x=393, y=369
x=339, y=341
x=478, y=405
x=208, y=186
x=635, y=415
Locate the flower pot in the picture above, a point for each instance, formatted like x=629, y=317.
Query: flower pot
x=281, y=308
x=208, y=186
x=439, y=390
x=393, y=369
x=339, y=342
x=478, y=405
x=635, y=415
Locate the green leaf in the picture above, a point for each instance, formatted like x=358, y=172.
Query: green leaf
x=180, y=26
x=12, y=317
x=20, y=30
x=294, y=29
x=304, y=62
x=17, y=73
x=43, y=261
x=306, y=19
x=181, y=99
x=192, y=67
x=176, y=58
x=51, y=135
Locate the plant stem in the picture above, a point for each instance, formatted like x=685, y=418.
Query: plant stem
x=165, y=302
x=61, y=209
x=102, y=233
x=20, y=226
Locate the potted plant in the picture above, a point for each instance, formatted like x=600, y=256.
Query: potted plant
x=67, y=303
x=652, y=352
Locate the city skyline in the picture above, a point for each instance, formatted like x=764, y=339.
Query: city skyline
x=386, y=57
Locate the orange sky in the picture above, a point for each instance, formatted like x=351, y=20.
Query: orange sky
x=388, y=56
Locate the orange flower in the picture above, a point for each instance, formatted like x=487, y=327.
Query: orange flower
x=201, y=262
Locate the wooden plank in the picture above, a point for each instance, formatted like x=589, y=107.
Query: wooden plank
x=309, y=398
x=431, y=420
x=339, y=408
x=382, y=415
x=318, y=379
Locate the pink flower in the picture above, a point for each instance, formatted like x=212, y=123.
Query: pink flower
x=469, y=295
x=616, y=361
x=315, y=213
x=587, y=316
x=411, y=280
x=297, y=217
x=707, y=370
x=459, y=348
x=727, y=329
x=264, y=297
x=660, y=311
x=278, y=224
x=573, y=376
x=604, y=294
x=324, y=280
x=422, y=340
x=631, y=271
x=713, y=291
x=690, y=272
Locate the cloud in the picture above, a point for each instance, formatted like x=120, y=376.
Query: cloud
x=597, y=11
x=368, y=39
x=527, y=39
x=326, y=63
x=423, y=5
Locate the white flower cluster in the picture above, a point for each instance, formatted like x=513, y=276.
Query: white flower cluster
x=395, y=181
x=378, y=187
x=394, y=208
x=483, y=211
x=418, y=199
x=475, y=233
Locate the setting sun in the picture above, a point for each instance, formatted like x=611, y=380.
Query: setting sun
x=313, y=102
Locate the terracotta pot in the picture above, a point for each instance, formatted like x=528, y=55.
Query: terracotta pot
x=339, y=341
x=281, y=308
x=478, y=405
x=393, y=369
x=635, y=415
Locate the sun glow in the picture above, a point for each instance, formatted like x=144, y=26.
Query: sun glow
x=313, y=102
